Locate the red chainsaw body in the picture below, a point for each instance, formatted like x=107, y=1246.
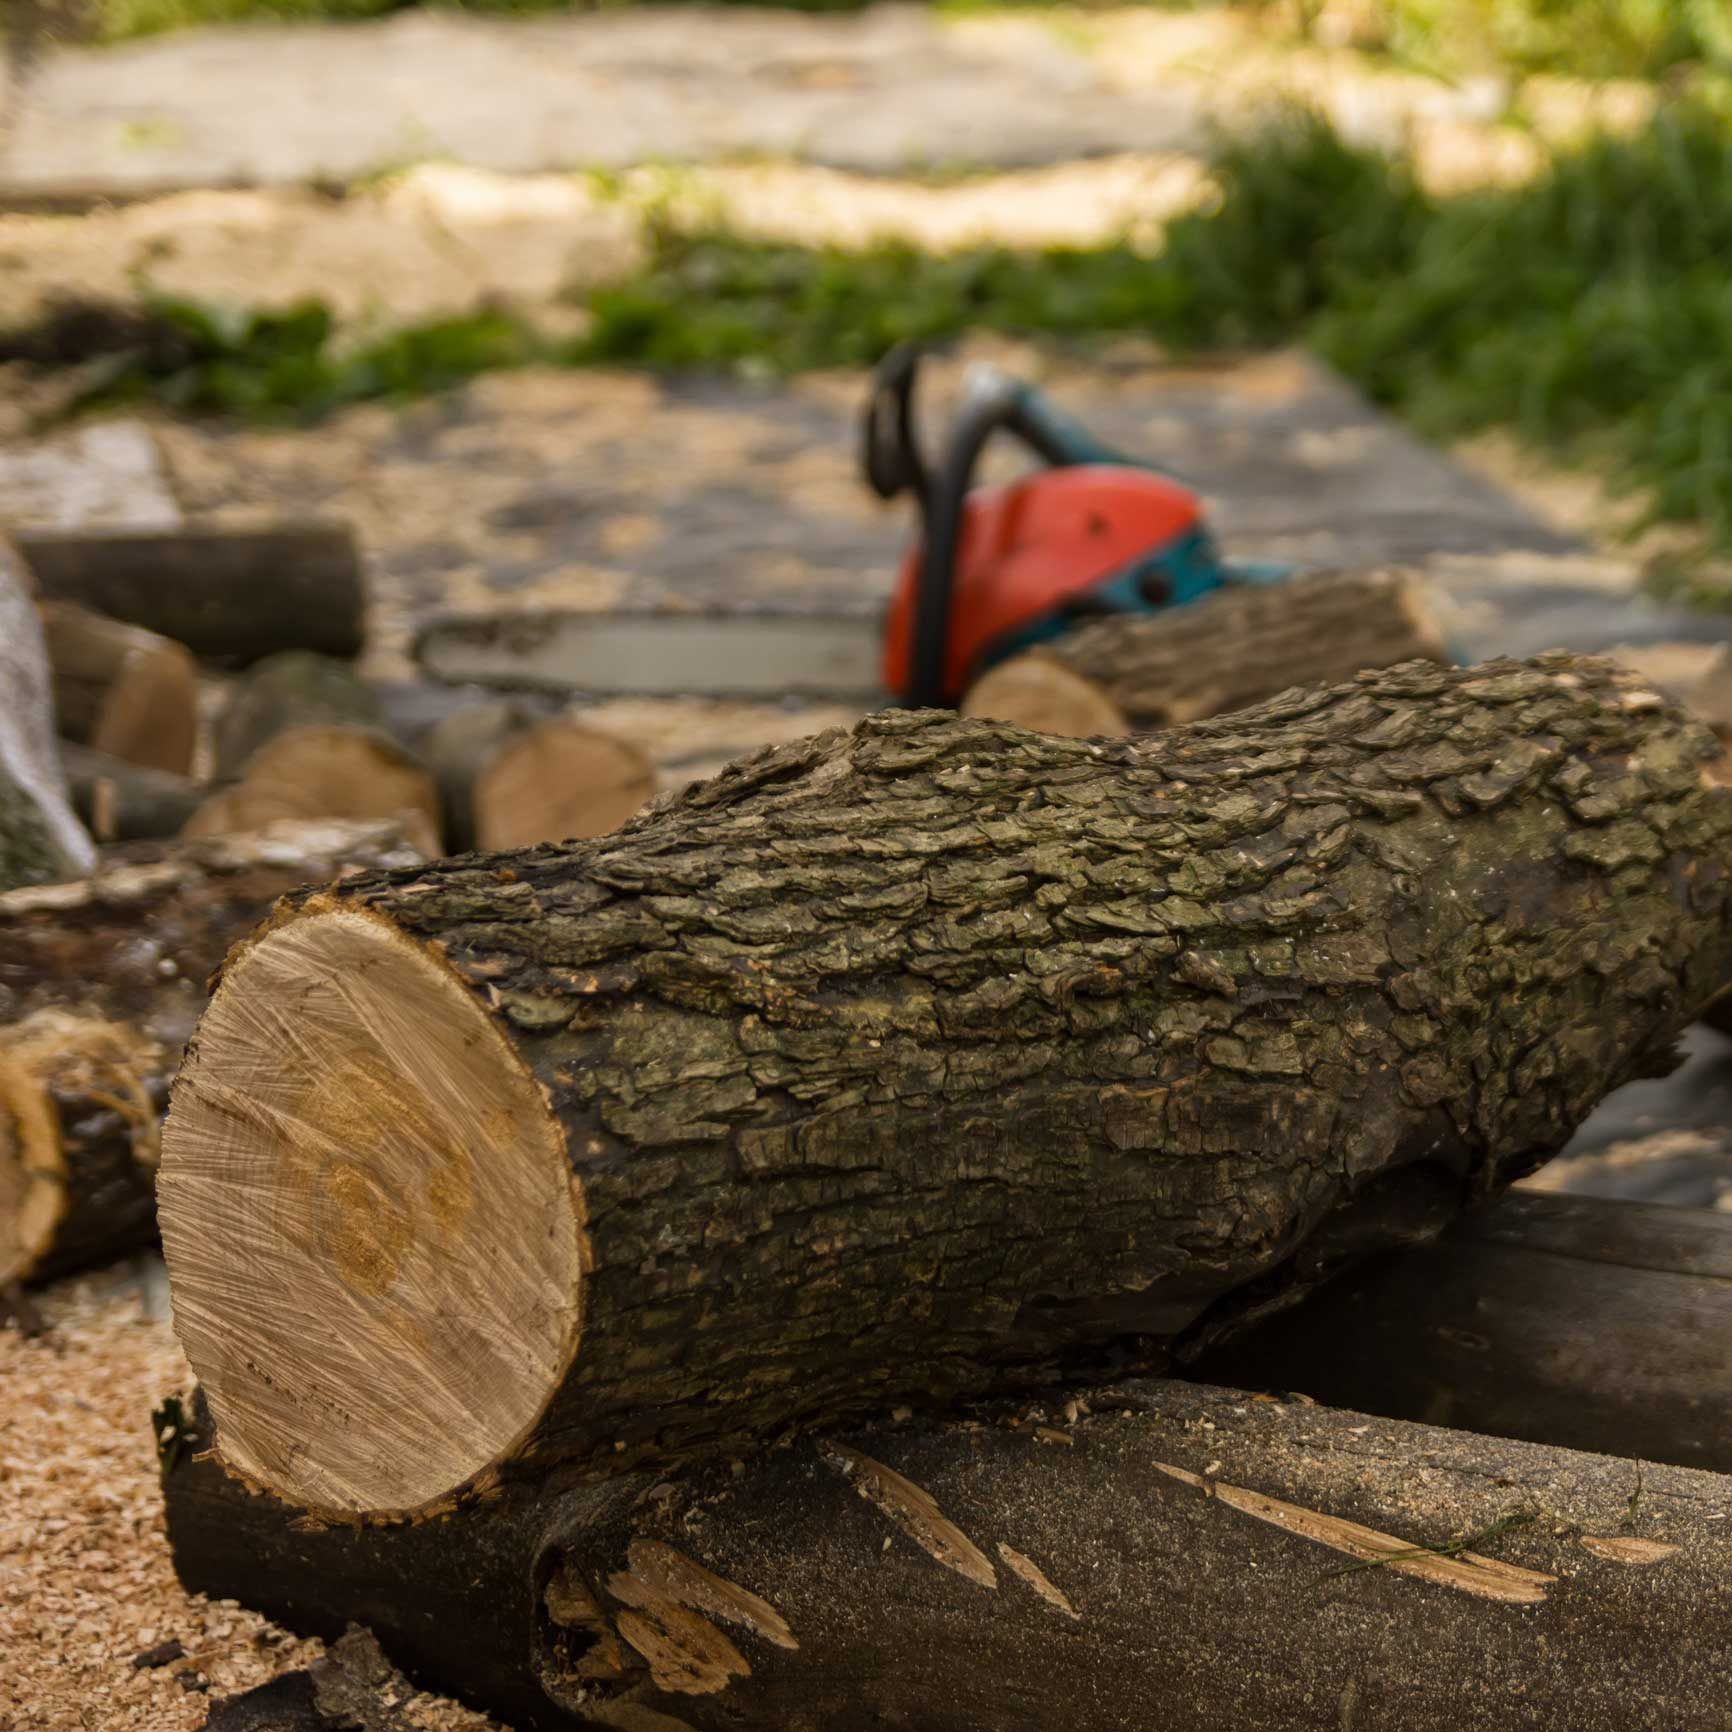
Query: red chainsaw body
x=1036, y=545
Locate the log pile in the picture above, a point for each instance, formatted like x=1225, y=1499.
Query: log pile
x=101, y=984
x=916, y=1062
x=728, y=1262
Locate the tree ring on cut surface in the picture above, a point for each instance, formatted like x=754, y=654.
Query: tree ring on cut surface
x=374, y=1240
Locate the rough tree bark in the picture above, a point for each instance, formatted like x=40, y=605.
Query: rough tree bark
x=1236, y=647
x=121, y=689
x=1577, y=1321
x=228, y=594
x=1162, y=1555
x=40, y=840
x=101, y=982
x=914, y=1060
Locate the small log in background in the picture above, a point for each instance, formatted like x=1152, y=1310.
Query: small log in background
x=1578, y=1321
x=122, y=690
x=1235, y=647
x=302, y=738
x=920, y=1060
x=101, y=982
x=1156, y=1555
x=229, y=595
x=511, y=776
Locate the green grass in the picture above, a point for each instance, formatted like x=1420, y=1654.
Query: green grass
x=1588, y=38
x=1590, y=311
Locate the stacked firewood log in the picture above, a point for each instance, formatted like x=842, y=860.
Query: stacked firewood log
x=137, y=843
x=701, y=1264
x=731, y=1263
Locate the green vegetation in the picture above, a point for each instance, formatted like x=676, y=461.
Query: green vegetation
x=1591, y=311
x=1590, y=38
x=265, y=366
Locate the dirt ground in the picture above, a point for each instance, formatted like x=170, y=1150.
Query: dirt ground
x=86, y=1583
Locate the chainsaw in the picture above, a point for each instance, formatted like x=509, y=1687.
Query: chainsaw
x=995, y=570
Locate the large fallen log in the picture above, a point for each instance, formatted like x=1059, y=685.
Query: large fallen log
x=1597, y=1325
x=101, y=982
x=227, y=594
x=916, y=1060
x=40, y=840
x=1163, y=1556
x=1237, y=646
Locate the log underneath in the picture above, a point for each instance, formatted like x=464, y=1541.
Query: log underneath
x=230, y=595
x=1232, y=648
x=1172, y=1556
x=101, y=982
x=918, y=1060
x=1597, y=1325
x=122, y=690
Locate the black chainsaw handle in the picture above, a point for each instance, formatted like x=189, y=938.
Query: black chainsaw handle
x=893, y=462
x=992, y=402
x=890, y=447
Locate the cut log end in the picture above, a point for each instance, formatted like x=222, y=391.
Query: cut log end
x=556, y=781
x=32, y=1193
x=326, y=772
x=52, y=1062
x=374, y=1237
x=1037, y=691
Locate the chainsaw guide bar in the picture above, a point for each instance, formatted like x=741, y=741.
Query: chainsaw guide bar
x=735, y=655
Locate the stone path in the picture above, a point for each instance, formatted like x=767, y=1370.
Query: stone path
x=892, y=90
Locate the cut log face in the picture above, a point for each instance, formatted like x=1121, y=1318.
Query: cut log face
x=122, y=690
x=79, y=1103
x=512, y=778
x=929, y=1058
x=559, y=780
x=101, y=981
x=398, y=1223
x=303, y=733
x=293, y=690
x=326, y=772
x=32, y=1172
x=1037, y=691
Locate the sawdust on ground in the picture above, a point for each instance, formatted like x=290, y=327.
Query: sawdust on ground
x=86, y=1582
